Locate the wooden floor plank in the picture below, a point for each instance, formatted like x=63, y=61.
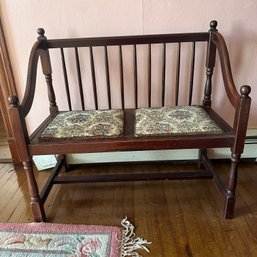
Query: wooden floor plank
x=175, y=213
x=181, y=218
x=210, y=207
x=230, y=227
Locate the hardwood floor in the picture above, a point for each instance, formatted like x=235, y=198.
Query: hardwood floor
x=5, y=155
x=181, y=218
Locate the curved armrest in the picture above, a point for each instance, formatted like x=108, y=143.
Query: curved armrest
x=230, y=88
x=31, y=79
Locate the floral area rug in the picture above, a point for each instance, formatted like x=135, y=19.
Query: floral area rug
x=59, y=240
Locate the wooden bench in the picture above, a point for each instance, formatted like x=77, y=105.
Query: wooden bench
x=143, y=126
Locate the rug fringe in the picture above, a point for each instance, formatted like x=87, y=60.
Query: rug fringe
x=131, y=243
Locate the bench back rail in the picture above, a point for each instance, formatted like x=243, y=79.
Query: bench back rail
x=118, y=46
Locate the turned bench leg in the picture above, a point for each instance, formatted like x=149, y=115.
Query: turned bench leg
x=35, y=201
x=66, y=166
x=201, y=152
x=231, y=188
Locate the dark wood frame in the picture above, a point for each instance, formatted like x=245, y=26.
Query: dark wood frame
x=232, y=137
x=7, y=88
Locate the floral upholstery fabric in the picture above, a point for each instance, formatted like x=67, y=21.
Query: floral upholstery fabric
x=174, y=120
x=81, y=124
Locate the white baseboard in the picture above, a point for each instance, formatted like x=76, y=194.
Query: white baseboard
x=161, y=155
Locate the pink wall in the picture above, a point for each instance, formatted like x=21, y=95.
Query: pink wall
x=64, y=18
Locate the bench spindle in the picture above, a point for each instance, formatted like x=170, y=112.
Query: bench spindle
x=135, y=76
x=79, y=79
x=149, y=74
x=93, y=76
x=192, y=70
x=51, y=94
x=210, y=63
x=66, y=82
x=107, y=74
x=177, y=74
x=121, y=77
x=163, y=74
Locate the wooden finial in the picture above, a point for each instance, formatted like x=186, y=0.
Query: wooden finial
x=213, y=25
x=245, y=90
x=41, y=33
x=13, y=100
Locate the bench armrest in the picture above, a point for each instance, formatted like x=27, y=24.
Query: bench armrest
x=28, y=98
x=232, y=92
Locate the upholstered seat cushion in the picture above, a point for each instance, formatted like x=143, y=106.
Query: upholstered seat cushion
x=174, y=120
x=81, y=124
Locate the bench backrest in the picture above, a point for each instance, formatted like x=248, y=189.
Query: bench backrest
x=148, y=55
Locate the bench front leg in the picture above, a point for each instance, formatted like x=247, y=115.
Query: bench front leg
x=36, y=204
x=231, y=188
